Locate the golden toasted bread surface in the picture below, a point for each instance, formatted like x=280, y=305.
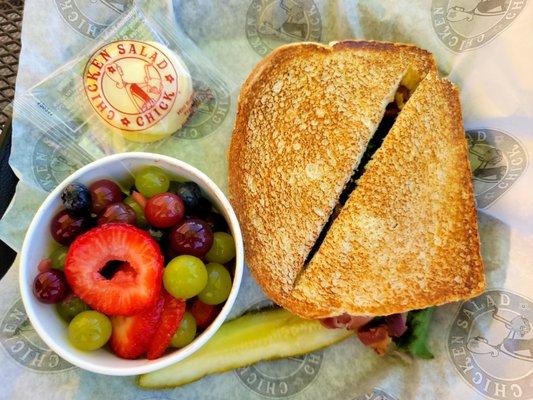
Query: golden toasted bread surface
x=304, y=118
x=407, y=237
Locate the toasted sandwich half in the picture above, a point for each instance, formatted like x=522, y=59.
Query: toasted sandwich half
x=306, y=115
x=407, y=236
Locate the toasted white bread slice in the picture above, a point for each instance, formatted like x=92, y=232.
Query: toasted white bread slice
x=407, y=237
x=304, y=118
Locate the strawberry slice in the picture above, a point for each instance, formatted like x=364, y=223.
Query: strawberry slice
x=131, y=336
x=136, y=265
x=173, y=311
x=203, y=313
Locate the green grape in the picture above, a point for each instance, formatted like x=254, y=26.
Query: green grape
x=89, y=330
x=185, y=277
x=223, y=248
x=139, y=212
x=71, y=306
x=186, y=331
x=151, y=181
x=218, y=284
x=58, y=257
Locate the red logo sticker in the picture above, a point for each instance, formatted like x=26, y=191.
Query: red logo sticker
x=131, y=85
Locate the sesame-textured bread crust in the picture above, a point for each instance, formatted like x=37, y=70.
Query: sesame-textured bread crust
x=304, y=119
x=407, y=237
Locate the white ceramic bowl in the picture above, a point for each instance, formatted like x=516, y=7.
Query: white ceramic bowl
x=38, y=243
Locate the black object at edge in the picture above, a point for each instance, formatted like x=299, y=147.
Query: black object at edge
x=8, y=182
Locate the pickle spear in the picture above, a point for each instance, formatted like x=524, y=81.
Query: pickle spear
x=263, y=335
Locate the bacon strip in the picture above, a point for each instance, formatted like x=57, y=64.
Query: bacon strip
x=346, y=321
x=378, y=337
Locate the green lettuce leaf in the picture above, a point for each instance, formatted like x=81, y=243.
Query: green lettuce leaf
x=414, y=341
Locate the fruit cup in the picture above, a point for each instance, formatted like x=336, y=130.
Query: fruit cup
x=38, y=245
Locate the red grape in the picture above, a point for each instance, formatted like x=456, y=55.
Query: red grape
x=203, y=313
x=50, y=286
x=192, y=237
x=44, y=265
x=164, y=210
x=103, y=193
x=65, y=227
x=118, y=212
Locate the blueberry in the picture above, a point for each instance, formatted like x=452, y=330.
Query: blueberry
x=191, y=194
x=76, y=198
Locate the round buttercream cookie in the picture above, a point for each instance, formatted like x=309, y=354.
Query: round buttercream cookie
x=140, y=90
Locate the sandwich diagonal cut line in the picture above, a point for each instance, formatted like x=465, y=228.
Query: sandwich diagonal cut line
x=401, y=96
x=407, y=236
x=305, y=116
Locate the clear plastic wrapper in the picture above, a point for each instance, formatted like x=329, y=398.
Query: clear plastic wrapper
x=142, y=86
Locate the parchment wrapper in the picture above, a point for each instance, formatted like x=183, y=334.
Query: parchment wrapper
x=483, y=348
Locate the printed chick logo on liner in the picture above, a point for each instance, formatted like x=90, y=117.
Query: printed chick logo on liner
x=271, y=23
x=463, y=25
x=497, y=160
x=280, y=378
x=23, y=344
x=49, y=165
x=376, y=394
x=491, y=344
x=142, y=89
x=85, y=16
x=210, y=107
